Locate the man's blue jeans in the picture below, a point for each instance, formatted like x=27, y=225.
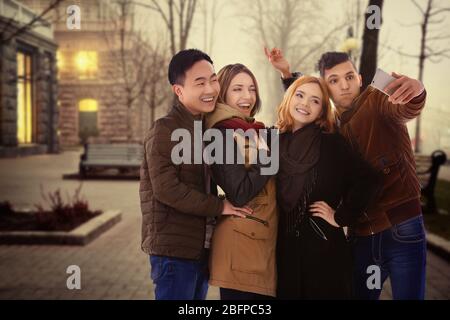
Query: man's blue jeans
x=400, y=252
x=179, y=279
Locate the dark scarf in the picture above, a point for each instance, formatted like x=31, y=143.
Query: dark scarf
x=299, y=155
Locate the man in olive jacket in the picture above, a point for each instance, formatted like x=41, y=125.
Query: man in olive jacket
x=391, y=233
x=174, y=200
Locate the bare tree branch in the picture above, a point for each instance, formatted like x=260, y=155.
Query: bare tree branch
x=138, y=70
x=418, y=6
x=54, y=4
x=161, y=12
x=432, y=53
x=259, y=20
x=404, y=54
x=439, y=11
x=441, y=37
x=319, y=45
x=146, y=5
x=436, y=21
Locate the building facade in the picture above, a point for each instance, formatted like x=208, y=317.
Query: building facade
x=28, y=83
x=92, y=99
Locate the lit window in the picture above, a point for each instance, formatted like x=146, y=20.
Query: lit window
x=88, y=105
x=24, y=100
x=86, y=63
x=87, y=119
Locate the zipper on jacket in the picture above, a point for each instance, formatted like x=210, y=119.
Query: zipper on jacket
x=368, y=221
x=264, y=222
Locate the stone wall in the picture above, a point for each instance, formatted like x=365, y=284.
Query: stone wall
x=8, y=96
x=44, y=86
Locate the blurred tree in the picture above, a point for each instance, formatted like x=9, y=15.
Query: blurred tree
x=210, y=11
x=178, y=16
x=294, y=26
x=432, y=46
x=138, y=69
x=429, y=49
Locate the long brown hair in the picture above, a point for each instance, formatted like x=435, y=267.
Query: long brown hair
x=226, y=74
x=326, y=120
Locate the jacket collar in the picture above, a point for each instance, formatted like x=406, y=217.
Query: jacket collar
x=345, y=116
x=181, y=112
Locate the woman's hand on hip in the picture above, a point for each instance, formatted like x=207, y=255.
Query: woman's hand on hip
x=323, y=210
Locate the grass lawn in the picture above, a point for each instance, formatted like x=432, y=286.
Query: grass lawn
x=440, y=223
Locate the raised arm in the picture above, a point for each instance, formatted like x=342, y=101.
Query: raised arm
x=406, y=101
x=279, y=62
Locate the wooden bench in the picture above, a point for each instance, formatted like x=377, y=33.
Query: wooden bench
x=427, y=169
x=122, y=156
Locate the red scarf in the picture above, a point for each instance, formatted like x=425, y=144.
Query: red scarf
x=238, y=123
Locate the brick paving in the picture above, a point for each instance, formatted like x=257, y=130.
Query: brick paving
x=112, y=266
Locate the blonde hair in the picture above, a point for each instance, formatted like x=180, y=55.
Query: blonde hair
x=326, y=121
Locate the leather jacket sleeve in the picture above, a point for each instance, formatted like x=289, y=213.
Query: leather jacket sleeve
x=240, y=183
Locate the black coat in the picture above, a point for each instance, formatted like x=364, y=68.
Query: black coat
x=310, y=267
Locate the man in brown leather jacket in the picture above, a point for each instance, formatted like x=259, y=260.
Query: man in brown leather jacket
x=390, y=238
x=175, y=203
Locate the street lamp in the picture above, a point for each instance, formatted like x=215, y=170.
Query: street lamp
x=350, y=44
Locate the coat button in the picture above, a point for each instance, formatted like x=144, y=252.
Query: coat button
x=386, y=170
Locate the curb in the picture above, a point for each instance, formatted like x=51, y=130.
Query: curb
x=82, y=235
x=438, y=245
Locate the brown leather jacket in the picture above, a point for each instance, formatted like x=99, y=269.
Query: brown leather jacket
x=377, y=129
x=174, y=204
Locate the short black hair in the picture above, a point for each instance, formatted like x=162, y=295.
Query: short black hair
x=182, y=62
x=330, y=59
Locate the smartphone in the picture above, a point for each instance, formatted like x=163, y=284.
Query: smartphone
x=381, y=80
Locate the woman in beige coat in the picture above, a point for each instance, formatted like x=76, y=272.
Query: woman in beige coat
x=243, y=253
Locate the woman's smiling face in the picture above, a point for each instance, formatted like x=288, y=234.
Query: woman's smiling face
x=306, y=105
x=241, y=94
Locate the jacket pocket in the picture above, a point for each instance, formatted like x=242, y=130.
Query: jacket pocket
x=409, y=231
x=251, y=247
x=389, y=166
x=161, y=267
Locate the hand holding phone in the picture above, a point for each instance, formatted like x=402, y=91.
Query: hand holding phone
x=381, y=80
x=400, y=88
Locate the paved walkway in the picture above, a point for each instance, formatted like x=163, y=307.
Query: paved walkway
x=113, y=266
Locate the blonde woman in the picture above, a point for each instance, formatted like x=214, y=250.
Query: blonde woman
x=321, y=188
